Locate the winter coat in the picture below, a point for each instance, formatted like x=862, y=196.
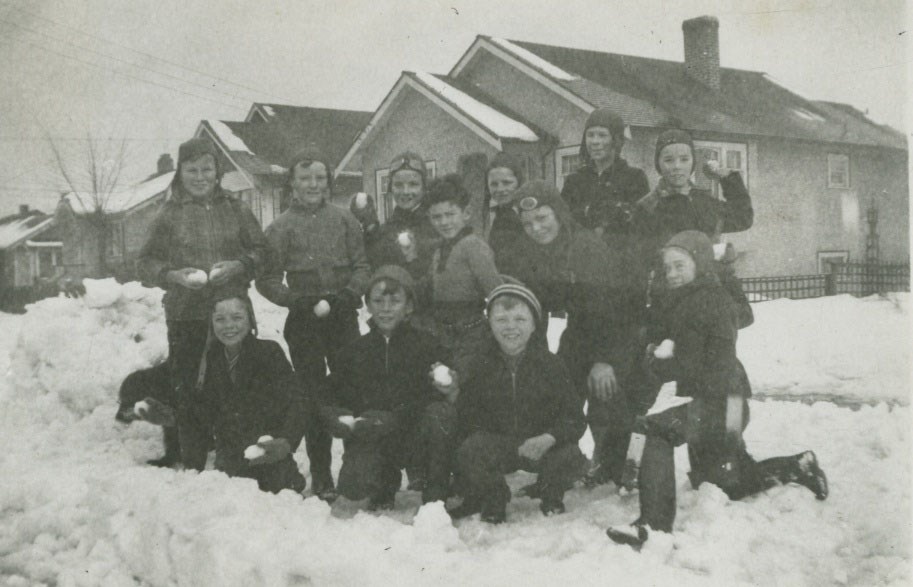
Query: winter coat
x=462, y=274
x=374, y=373
x=199, y=233
x=383, y=249
x=506, y=231
x=264, y=398
x=535, y=398
x=320, y=251
x=577, y=274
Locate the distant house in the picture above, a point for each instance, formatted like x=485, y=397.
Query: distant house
x=256, y=152
x=127, y=215
x=812, y=167
x=30, y=253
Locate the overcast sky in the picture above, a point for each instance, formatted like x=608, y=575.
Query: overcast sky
x=150, y=70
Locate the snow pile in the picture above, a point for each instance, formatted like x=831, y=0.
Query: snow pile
x=854, y=349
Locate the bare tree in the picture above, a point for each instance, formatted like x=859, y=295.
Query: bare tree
x=92, y=176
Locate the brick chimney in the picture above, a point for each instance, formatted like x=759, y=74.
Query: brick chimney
x=23, y=209
x=165, y=164
x=702, y=50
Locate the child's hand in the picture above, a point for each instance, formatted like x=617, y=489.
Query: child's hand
x=713, y=170
x=155, y=412
x=444, y=379
x=274, y=450
x=406, y=242
x=602, y=382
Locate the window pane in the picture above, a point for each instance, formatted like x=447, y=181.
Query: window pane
x=733, y=160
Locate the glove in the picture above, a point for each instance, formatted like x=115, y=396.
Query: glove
x=274, y=451
x=224, y=271
x=330, y=416
x=373, y=425
x=154, y=412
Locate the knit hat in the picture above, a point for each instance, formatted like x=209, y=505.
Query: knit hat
x=699, y=248
x=396, y=274
x=606, y=119
x=514, y=288
x=537, y=193
x=307, y=156
x=191, y=151
x=673, y=137
x=409, y=160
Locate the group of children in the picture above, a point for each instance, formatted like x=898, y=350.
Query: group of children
x=455, y=382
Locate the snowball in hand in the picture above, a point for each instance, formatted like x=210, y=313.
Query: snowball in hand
x=322, y=308
x=442, y=375
x=264, y=438
x=198, y=277
x=253, y=452
x=361, y=200
x=215, y=272
x=141, y=408
x=404, y=239
x=666, y=350
x=719, y=250
x=348, y=421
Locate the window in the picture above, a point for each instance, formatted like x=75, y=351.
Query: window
x=48, y=260
x=838, y=171
x=729, y=155
x=825, y=258
x=567, y=160
x=115, y=245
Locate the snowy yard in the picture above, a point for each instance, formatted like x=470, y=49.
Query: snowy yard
x=80, y=507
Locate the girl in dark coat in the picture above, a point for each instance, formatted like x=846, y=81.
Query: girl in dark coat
x=571, y=270
x=502, y=223
x=246, y=391
x=701, y=319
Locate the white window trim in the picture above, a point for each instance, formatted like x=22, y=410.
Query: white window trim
x=824, y=257
x=723, y=147
x=560, y=153
x=831, y=159
x=380, y=175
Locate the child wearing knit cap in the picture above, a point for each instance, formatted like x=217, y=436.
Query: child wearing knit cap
x=700, y=318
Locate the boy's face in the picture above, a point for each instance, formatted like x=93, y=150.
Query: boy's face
x=310, y=184
x=676, y=163
x=199, y=176
x=230, y=322
x=388, y=306
x=448, y=219
x=407, y=189
x=502, y=183
x=541, y=224
x=511, y=327
x=599, y=143
x=680, y=267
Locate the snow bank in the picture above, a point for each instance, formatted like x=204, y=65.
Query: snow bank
x=78, y=506
x=839, y=346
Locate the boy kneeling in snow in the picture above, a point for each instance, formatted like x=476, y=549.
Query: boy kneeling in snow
x=518, y=410
x=247, y=402
x=701, y=319
x=382, y=402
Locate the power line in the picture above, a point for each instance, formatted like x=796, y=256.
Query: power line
x=148, y=55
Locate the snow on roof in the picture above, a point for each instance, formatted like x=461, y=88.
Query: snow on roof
x=534, y=60
x=228, y=138
x=269, y=110
x=18, y=229
x=44, y=244
x=122, y=200
x=500, y=124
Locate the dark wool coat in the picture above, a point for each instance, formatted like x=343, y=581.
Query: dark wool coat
x=264, y=399
x=200, y=233
x=505, y=233
x=383, y=249
x=373, y=373
x=535, y=399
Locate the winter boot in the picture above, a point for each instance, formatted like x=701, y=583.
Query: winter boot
x=381, y=503
x=494, y=505
x=633, y=535
x=323, y=488
x=551, y=507
x=811, y=475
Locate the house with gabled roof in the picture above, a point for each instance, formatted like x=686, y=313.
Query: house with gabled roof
x=256, y=152
x=124, y=216
x=30, y=254
x=813, y=167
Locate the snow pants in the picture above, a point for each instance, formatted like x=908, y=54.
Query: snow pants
x=371, y=467
x=186, y=342
x=313, y=344
x=485, y=458
x=732, y=469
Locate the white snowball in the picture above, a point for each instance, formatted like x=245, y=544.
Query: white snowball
x=404, y=239
x=442, y=375
x=348, y=421
x=322, y=308
x=666, y=350
x=216, y=272
x=253, y=452
x=719, y=250
x=361, y=199
x=198, y=277
x=141, y=408
x=264, y=438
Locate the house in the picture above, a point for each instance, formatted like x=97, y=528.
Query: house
x=104, y=240
x=813, y=167
x=30, y=256
x=256, y=152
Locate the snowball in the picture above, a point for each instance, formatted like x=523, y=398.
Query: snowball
x=442, y=375
x=198, y=277
x=348, y=420
x=264, y=438
x=141, y=408
x=404, y=239
x=361, y=200
x=719, y=250
x=215, y=272
x=253, y=452
x=666, y=350
x=322, y=308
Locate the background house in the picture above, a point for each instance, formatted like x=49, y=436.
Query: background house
x=813, y=168
x=30, y=256
x=257, y=151
x=124, y=217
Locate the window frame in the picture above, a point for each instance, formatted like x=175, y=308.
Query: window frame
x=723, y=148
x=824, y=257
x=832, y=158
x=560, y=154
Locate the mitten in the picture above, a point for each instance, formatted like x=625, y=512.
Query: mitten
x=274, y=450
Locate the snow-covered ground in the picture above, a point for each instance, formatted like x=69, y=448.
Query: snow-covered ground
x=80, y=507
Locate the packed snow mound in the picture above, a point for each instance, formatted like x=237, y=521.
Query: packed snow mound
x=76, y=352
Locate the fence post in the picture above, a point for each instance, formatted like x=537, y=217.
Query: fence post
x=830, y=280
